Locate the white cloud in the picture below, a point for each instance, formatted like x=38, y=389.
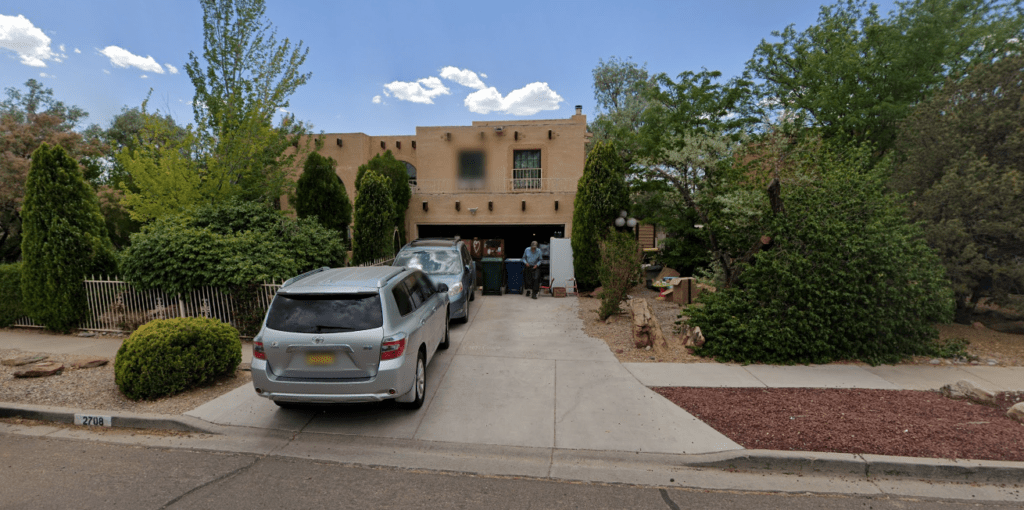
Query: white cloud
x=528, y=100
x=44, y=75
x=121, y=57
x=482, y=75
x=463, y=77
x=77, y=50
x=377, y=100
x=171, y=69
x=419, y=91
x=61, y=48
x=18, y=34
x=106, y=71
x=144, y=76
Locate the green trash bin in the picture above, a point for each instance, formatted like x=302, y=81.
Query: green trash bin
x=493, y=275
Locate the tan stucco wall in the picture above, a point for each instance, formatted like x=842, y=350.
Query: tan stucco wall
x=436, y=158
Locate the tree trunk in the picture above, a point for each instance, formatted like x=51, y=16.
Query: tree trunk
x=646, y=330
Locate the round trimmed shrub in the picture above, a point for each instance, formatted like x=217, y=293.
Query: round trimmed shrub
x=164, y=357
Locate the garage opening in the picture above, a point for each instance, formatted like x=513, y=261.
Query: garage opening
x=517, y=237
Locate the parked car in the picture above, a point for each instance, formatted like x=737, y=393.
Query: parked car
x=445, y=261
x=352, y=334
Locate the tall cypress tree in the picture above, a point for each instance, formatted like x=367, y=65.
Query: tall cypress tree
x=600, y=194
x=385, y=164
x=374, y=231
x=65, y=239
x=321, y=194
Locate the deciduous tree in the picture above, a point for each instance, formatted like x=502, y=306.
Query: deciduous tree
x=601, y=194
x=855, y=75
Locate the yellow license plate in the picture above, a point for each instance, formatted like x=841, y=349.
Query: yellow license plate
x=319, y=358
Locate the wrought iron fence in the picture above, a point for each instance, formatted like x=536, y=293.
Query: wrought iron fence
x=117, y=306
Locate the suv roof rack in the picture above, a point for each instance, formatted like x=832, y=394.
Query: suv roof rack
x=303, y=275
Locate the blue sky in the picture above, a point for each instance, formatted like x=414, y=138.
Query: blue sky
x=383, y=68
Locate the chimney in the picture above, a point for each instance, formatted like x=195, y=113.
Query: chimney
x=579, y=109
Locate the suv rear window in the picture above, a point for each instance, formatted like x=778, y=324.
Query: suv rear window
x=325, y=313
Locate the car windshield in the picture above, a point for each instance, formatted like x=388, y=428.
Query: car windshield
x=431, y=261
x=304, y=313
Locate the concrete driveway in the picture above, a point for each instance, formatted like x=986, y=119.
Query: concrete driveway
x=520, y=372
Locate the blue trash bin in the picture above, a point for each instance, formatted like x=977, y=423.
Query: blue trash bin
x=514, y=274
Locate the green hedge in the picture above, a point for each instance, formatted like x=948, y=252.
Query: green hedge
x=10, y=294
x=165, y=357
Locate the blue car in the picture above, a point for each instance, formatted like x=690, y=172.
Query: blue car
x=445, y=261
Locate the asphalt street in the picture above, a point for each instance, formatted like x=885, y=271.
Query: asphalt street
x=47, y=473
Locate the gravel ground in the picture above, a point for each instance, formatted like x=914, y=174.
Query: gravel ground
x=94, y=388
x=883, y=422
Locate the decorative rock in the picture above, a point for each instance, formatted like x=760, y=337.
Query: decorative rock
x=1016, y=412
x=992, y=363
x=977, y=325
x=43, y=369
x=967, y=389
x=24, y=360
x=86, y=334
x=935, y=361
x=90, y=363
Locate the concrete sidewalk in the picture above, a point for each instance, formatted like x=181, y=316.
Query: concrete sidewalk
x=522, y=375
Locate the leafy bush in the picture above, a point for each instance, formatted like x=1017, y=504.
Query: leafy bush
x=620, y=270
x=847, y=278
x=165, y=357
x=230, y=244
x=65, y=239
x=373, y=235
x=10, y=294
x=600, y=194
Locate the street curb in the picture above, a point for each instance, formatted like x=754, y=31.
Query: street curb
x=751, y=461
x=862, y=465
x=118, y=419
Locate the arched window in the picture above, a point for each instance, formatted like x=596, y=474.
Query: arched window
x=411, y=170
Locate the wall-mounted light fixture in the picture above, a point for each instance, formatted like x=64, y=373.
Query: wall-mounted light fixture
x=458, y=206
x=424, y=206
x=556, y=205
x=472, y=210
x=524, y=205
x=490, y=206
x=338, y=142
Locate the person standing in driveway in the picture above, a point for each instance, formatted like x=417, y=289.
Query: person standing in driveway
x=531, y=273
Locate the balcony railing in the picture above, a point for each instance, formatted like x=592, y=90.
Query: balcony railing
x=523, y=184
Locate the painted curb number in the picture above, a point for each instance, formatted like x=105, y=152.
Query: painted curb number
x=94, y=421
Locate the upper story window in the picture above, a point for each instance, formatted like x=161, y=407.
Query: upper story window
x=471, y=170
x=411, y=170
x=526, y=169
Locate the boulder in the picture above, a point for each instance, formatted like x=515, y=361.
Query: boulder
x=964, y=389
x=24, y=360
x=1016, y=412
x=90, y=363
x=43, y=369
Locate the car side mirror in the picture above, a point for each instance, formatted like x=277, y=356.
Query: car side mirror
x=442, y=287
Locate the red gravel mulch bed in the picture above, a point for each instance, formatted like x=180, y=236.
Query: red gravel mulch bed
x=884, y=422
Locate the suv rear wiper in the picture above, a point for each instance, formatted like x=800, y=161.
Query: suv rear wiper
x=321, y=327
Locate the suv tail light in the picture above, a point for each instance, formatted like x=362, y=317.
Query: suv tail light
x=257, y=349
x=392, y=348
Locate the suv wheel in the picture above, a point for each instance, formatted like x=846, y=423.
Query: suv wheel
x=419, y=385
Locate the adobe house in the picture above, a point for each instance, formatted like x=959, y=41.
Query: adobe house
x=513, y=180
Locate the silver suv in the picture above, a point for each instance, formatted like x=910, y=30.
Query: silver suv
x=445, y=261
x=353, y=334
